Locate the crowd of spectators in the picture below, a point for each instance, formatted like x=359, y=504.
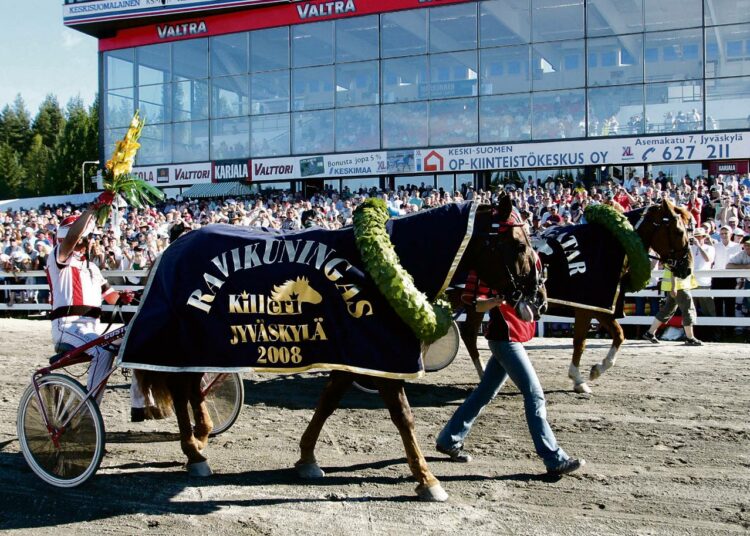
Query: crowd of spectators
x=720, y=205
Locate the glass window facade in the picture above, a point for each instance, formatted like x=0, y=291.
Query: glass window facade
x=487, y=71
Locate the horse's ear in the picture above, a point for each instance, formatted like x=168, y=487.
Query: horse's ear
x=667, y=206
x=504, y=207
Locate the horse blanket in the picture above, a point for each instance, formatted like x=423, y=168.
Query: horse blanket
x=584, y=266
x=230, y=299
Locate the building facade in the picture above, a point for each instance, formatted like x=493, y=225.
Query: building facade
x=295, y=94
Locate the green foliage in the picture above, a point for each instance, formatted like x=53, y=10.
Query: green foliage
x=49, y=121
x=639, y=266
x=76, y=144
x=37, y=163
x=428, y=322
x=11, y=172
x=15, y=126
x=44, y=157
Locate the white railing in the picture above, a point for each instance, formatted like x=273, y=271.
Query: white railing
x=628, y=320
x=6, y=287
x=697, y=293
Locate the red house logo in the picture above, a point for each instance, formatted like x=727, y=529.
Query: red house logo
x=434, y=161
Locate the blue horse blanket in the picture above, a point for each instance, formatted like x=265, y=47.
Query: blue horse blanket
x=230, y=299
x=584, y=267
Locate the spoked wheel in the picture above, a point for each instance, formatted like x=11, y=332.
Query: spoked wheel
x=224, y=399
x=75, y=455
x=366, y=385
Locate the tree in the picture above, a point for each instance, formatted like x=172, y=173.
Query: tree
x=49, y=121
x=11, y=172
x=15, y=126
x=76, y=144
x=38, y=164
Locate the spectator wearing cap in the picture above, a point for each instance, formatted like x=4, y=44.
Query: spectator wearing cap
x=703, y=258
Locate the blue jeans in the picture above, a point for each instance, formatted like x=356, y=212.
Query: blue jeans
x=509, y=359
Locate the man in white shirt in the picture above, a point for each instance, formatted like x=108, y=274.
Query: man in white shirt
x=703, y=255
x=725, y=249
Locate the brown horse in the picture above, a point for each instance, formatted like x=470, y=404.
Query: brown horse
x=664, y=229
x=501, y=256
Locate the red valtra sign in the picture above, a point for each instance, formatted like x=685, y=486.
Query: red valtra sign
x=257, y=18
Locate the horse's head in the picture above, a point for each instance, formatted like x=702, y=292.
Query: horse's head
x=501, y=254
x=666, y=228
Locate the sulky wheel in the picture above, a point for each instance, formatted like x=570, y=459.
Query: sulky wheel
x=69, y=453
x=224, y=395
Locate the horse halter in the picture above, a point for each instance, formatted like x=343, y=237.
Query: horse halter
x=518, y=291
x=673, y=259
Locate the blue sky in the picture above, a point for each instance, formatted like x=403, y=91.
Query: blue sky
x=40, y=55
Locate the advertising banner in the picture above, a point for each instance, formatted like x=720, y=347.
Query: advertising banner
x=600, y=152
x=341, y=165
x=201, y=18
x=78, y=12
x=175, y=174
x=231, y=170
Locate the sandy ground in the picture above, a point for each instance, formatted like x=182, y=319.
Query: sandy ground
x=666, y=436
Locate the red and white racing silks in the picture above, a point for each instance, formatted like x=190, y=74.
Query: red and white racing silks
x=77, y=286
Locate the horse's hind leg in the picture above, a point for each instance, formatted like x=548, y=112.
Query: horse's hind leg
x=203, y=422
x=307, y=466
x=392, y=392
x=618, y=337
x=197, y=465
x=580, y=330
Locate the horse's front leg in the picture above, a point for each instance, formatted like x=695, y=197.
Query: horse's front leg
x=307, y=465
x=392, y=392
x=580, y=330
x=618, y=337
x=469, y=331
x=197, y=464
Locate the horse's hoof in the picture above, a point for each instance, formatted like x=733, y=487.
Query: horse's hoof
x=200, y=469
x=309, y=470
x=434, y=493
x=582, y=388
x=595, y=372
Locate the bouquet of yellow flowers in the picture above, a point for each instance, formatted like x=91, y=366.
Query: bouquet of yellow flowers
x=118, y=179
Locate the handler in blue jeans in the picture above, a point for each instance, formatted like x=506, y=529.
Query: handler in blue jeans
x=505, y=332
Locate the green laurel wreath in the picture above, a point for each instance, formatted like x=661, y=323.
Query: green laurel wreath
x=639, y=267
x=428, y=321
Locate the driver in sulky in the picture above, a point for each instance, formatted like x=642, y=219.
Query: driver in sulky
x=78, y=289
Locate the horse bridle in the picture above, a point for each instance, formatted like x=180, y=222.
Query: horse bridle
x=518, y=294
x=672, y=259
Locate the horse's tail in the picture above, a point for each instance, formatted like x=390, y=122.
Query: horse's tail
x=158, y=384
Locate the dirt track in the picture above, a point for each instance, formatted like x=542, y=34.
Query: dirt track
x=666, y=436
